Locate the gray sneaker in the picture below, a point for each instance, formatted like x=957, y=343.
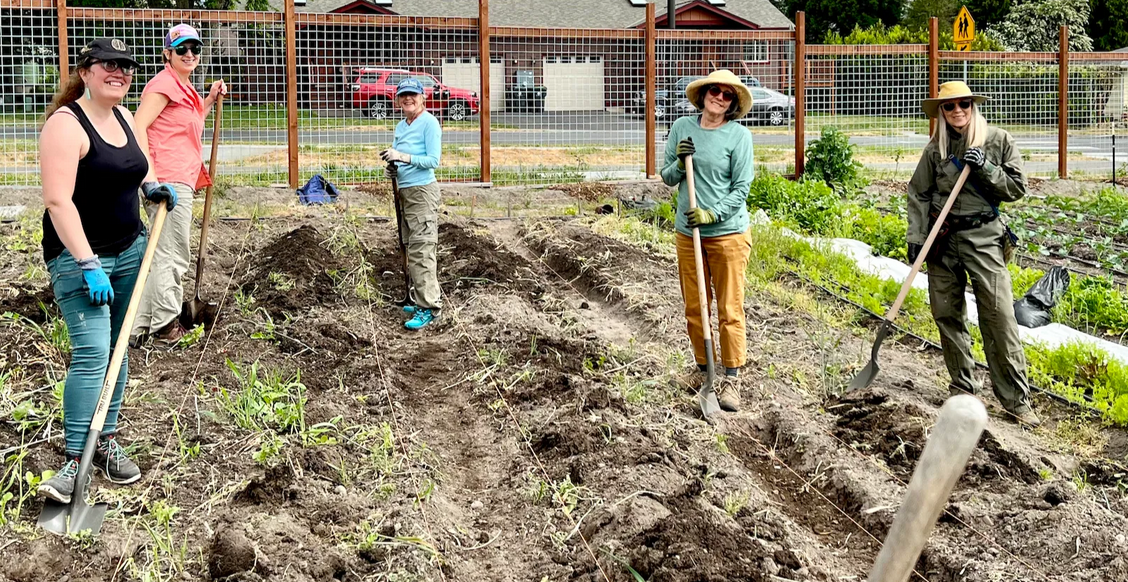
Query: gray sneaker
x=110, y=459
x=61, y=485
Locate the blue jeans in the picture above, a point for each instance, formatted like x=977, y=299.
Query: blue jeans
x=92, y=331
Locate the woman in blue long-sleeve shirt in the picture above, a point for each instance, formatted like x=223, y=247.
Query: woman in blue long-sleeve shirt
x=413, y=157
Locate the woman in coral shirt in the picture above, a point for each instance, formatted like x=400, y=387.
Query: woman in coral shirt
x=170, y=125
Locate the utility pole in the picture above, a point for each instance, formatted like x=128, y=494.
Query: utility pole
x=671, y=8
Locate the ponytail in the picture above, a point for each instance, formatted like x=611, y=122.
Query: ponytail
x=67, y=94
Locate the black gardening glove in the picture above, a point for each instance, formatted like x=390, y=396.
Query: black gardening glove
x=685, y=148
x=391, y=171
x=975, y=158
x=914, y=252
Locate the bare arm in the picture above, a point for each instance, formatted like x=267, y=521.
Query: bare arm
x=61, y=145
x=152, y=104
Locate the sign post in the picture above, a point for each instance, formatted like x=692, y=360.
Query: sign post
x=963, y=34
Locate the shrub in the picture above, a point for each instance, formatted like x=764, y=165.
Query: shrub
x=831, y=159
x=885, y=233
x=809, y=204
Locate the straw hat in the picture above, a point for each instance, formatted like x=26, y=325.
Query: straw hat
x=721, y=77
x=948, y=92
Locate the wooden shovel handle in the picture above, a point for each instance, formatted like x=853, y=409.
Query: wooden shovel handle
x=702, y=296
x=908, y=284
x=208, y=194
x=122, y=342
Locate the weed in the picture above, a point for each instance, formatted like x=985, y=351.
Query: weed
x=187, y=450
x=191, y=338
x=734, y=502
x=1046, y=474
x=1081, y=481
x=722, y=443
x=269, y=453
x=245, y=301
x=280, y=281
x=270, y=400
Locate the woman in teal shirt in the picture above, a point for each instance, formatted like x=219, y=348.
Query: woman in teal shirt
x=416, y=148
x=722, y=165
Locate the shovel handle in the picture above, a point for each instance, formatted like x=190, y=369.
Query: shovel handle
x=122, y=342
x=208, y=194
x=962, y=420
x=698, y=261
x=908, y=284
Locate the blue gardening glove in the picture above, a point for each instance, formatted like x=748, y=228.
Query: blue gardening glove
x=975, y=158
x=685, y=148
x=699, y=217
x=155, y=193
x=914, y=252
x=97, y=283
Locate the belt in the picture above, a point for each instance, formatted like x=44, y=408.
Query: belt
x=958, y=223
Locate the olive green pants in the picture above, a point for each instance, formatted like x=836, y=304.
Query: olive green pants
x=978, y=253
x=421, y=236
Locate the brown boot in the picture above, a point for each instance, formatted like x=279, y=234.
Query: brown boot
x=728, y=393
x=170, y=334
x=690, y=380
x=1027, y=419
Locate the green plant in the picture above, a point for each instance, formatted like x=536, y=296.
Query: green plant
x=191, y=338
x=830, y=158
x=270, y=448
x=809, y=204
x=269, y=400
x=734, y=502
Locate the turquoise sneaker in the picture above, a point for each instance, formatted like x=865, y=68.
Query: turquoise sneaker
x=410, y=309
x=423, y=316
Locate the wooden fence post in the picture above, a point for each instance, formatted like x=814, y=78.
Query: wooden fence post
x=1063, y=102
x=64, y=48
x=651, y=98
x=933, y=65
x=800, y=74
x=291, y=92
x=484, y=102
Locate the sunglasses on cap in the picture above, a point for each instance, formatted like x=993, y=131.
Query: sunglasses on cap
x=716, y=91
x=127, y=68
x=184, y=48
x=951, y=105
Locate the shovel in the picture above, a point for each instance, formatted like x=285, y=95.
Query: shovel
x=78, y=515
x=962, y=420
x=402, y=245
x=706, y=396
x=196, y=311
x=867, y=375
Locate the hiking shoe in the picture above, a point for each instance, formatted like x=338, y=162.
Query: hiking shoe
x=60, y=486
x=690, y=380
x=728, y=393
x=410, y=309
x=111, y=460
x=170, y=334
x=423, y=316
x=1027, y=419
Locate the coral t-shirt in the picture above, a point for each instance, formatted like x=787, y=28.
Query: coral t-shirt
x=175, y=135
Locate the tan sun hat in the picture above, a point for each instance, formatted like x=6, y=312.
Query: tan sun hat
x=948, y=92
x=721, y=77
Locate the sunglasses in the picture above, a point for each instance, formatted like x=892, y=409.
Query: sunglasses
x=725, y=95
x=951, y=105
x=125, y=67
x=184, y=48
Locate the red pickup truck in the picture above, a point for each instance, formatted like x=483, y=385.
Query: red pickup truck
x=375, y=89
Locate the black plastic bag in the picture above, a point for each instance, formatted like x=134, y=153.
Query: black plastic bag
x=1033, y=310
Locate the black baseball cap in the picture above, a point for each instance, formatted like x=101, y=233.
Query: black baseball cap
x=107, y=49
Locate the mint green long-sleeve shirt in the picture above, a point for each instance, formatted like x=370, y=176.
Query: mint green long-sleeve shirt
x=723, y=173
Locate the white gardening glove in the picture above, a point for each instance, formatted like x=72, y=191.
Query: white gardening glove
x=389, y=155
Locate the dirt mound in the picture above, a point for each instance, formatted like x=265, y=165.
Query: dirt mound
x=291, y=273
x=30, y=303
x=588, y=191
x=479, y=260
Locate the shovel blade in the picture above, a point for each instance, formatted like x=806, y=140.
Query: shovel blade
x=71, y=518
x=707, y=399
x=198, y=312
x=869, y=373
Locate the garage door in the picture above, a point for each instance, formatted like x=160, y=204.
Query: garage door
x=463, y=72
x=573, y=83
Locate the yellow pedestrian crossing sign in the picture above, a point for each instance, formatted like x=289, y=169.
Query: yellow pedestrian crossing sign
x=963, y=30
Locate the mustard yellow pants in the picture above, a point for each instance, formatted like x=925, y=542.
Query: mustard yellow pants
x=725, y=258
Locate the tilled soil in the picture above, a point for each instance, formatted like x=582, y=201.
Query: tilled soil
x=531, y=433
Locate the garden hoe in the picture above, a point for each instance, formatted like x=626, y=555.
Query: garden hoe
x=962, y=420
x=867, y=375
x=196, y=311
x=402, y=244
x=706, y=396
x=78, y=515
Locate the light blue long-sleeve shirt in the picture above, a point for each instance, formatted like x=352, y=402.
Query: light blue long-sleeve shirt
x=421, y=139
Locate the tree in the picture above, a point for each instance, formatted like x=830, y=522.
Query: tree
x=880, y=34
x=842, y=16
x=988, y=13
x=921, y=10
x=1032, y=25
x=1106, y=24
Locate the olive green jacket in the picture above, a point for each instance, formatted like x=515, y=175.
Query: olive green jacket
x=1001, y=179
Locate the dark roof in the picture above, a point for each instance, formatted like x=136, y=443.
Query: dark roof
x=558, y=13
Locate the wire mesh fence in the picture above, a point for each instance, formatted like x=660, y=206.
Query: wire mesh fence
x=567, y=105
x=764, y=63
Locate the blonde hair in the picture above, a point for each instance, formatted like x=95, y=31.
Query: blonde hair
x=975, y=135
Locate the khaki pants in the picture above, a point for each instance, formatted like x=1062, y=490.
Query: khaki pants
x=421, y=236
x=978, y=253
x=725, y=259
x=164, y=291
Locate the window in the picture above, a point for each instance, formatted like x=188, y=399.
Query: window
x=524, y=79
x=756, y=51
x=368, y=78
x=426, y=80
x=759, y=95
x=395, y=78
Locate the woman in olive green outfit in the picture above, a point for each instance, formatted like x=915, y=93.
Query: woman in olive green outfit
x=973, y=245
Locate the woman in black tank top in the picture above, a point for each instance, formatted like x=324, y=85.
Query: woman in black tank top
x=93, y=242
